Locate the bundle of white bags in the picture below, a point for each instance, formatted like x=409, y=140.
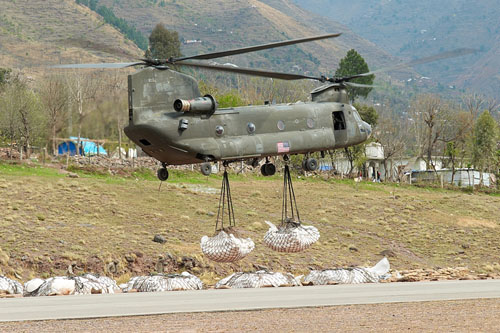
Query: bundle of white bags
x=350, y=275
x=259, y=279
x=74, y=285
x=225, y=247
x=290, y=237
x=9, y=286
x=164, y=282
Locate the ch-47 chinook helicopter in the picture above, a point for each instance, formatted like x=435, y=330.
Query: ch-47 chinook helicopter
x=172, y=122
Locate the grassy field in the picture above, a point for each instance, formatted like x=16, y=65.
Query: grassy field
x=106, y=224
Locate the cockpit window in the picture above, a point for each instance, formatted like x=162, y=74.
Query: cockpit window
x=356, y=115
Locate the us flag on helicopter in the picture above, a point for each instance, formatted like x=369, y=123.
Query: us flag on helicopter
x=283, y=147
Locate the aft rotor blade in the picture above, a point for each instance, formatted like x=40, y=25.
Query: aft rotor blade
x=254, y=48
x=248, y=71
x=425, y=60
x=101, y=65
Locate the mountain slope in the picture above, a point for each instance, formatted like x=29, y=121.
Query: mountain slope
x=410, y=30
x=37, y=33
x=220, y=24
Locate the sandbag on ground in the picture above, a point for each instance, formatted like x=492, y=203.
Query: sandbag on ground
x=164, y=282
x=225, y=247
x=259, y=279
x=71, y=285
x=9, y=286
x=290, y=237
x=349, y=275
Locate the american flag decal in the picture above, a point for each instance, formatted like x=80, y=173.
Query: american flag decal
x=283, y=147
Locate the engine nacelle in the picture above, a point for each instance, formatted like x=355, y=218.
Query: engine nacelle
x=206, y=104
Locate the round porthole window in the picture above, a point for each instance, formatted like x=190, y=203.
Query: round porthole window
x=219, y=130
x=251, y=128
x=281, y=125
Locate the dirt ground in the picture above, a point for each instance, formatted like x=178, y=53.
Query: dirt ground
x=479, y=315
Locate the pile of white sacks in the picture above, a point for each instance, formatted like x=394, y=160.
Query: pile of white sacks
x=95, y=284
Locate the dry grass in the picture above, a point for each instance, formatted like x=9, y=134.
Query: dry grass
x=49, y=222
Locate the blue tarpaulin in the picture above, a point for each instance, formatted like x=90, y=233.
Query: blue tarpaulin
x=87, y=147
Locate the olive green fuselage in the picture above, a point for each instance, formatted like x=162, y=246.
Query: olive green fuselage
x=234, y=133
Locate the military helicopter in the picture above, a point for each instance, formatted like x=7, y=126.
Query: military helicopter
x=172, y=122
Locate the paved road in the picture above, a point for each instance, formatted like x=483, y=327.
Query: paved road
x=92, y=306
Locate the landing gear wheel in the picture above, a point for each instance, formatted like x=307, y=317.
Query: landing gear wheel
x=162, y=174
x=268, y=169
x=310, y=164
x=206, y=168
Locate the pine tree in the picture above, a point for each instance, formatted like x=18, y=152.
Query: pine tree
x=353, y=63
x=163, y=43
x=485, y=142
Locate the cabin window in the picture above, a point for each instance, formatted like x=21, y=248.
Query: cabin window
x=251, y=128
x=338, y=120
x=219, y=130
x=281, y=125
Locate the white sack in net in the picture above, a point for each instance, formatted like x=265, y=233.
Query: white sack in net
x=225, y=247
x=259, y=279
x=291, y=237
x=164, y=282
x=350, y=275
x=9, y=286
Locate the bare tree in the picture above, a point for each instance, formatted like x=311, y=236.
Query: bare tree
x=54, y=96
x=391, y=136
x=430, y=115
x=22, y=119
x=83, y=88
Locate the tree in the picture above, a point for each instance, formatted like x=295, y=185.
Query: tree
x=21, y=118
x=83, y=88
x=367, y=113
x=54, y=96
x=353, y=63
x=485, y=142
x=163, y=43
x=391, y=135
x=430, y=117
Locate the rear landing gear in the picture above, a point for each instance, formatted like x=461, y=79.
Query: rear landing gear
x=162, y=174
x=310, y=164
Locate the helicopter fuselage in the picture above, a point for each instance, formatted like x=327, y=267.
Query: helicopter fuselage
x=240, y=133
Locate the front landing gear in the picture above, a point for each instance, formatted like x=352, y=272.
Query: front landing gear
x=206, y=168
x=162, y=174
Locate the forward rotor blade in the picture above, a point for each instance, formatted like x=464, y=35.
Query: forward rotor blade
x=425, y=60
x=101, y=65
x=248, y=71
x=358, y=85
x=254, y=48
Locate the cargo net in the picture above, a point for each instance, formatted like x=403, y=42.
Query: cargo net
x=291, y=236
x=225, y=246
